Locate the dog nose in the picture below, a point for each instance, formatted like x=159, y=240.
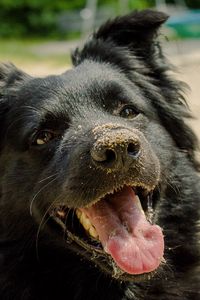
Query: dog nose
x=115, y=151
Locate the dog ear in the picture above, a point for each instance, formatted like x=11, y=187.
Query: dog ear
x=11, y=79
x=131, y=34
x=135, y=30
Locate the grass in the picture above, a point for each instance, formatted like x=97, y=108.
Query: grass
x=26, y=55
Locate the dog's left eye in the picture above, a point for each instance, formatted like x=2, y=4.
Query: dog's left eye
x=43, y=137
x=128, y=112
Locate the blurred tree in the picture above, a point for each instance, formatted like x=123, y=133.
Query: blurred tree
x=141, y=4
x=33, y=17
x=193, y=3
x=40, y=17
x=189, y=3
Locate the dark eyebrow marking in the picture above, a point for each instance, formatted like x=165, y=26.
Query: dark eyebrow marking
x=54, y=118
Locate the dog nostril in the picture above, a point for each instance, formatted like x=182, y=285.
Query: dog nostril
x=110, y=155
x=103, y=155
x=133, y=149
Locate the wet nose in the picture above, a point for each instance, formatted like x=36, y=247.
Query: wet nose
x=116, y=150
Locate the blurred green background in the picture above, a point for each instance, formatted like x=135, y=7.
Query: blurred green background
x=39, y=34
x=46, y=18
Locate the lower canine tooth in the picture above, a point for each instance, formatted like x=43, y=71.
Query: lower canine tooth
x=93, y=233
x=79, y=213
x=86, y=223
x=61, y=214
x=139, y=204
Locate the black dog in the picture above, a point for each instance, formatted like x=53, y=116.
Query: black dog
x=99, y=183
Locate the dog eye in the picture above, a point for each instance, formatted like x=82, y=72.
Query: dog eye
x=128, y=112
x=43, y=137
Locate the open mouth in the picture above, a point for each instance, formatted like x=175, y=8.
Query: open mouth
x=117, y=231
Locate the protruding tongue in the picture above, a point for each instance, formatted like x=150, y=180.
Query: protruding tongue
x=135, y=245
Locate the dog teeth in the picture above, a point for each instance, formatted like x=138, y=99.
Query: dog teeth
x=61, y=214
x=93, y=233
x=137, y=199
x=84, y=220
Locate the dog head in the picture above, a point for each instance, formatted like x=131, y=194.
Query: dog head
x=94, y=146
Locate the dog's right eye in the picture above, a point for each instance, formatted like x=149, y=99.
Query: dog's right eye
x=43, y=137
x=128, y=112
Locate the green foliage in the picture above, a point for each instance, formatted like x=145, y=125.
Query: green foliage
x=33, y=17
x=25, y=18
x=189, y=3
x=141, y=4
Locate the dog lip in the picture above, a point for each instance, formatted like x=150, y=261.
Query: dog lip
x=147, y=189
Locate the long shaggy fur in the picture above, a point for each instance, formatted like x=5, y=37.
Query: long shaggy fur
x=121, y=63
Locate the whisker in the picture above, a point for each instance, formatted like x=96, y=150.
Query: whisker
x=42, y=224
x=173, y=186
x=13, y=123
x=69, y=210
x=44, y=179
x=34, y=197
x=73, y=213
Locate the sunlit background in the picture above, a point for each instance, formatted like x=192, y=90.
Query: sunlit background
x=38, y=35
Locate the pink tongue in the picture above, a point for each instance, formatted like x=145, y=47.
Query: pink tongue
x=135, y=245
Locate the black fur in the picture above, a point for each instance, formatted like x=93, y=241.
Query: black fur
x=121, y=64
